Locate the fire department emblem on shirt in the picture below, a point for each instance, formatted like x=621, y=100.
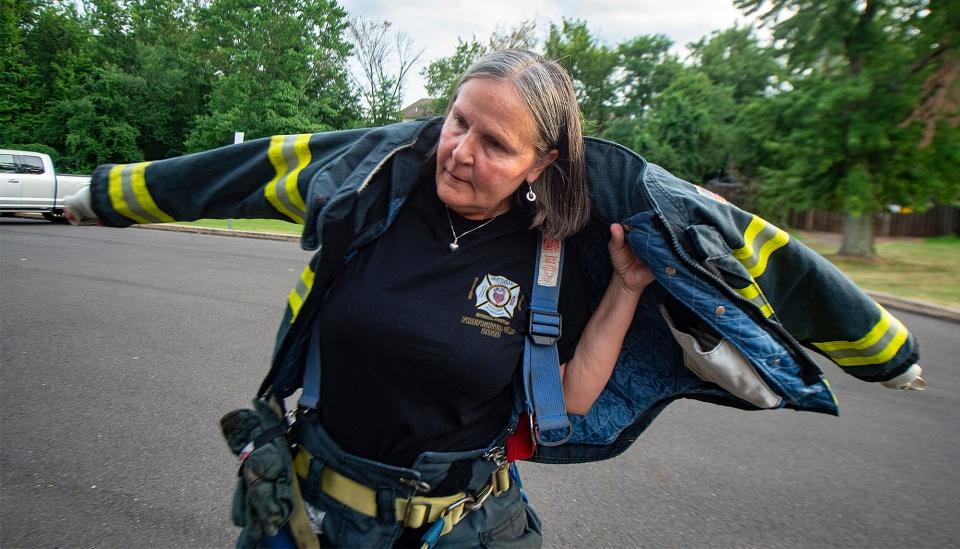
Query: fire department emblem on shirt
x=497, y=296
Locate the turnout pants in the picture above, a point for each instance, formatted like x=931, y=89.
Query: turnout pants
x=506, y=520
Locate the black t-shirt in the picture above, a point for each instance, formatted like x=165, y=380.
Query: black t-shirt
x=420, y=345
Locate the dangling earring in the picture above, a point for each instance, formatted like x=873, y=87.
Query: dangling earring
x=531, y=196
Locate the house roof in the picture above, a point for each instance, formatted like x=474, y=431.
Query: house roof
x=419, y=109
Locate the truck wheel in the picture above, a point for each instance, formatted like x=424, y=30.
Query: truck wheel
x=55, y=217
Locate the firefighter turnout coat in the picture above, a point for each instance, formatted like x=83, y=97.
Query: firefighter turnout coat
x=737, y=305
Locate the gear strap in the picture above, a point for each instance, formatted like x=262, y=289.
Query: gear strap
x=543, y=388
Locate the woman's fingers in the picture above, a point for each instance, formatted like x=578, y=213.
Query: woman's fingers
x=634, y=273
x=621, y=254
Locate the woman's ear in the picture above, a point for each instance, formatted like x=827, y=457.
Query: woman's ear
x=542, y=164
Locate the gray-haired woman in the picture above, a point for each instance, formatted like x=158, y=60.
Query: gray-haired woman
x=417, y=306
x=421, y=332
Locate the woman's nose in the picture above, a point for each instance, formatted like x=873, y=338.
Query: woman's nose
x=463, y=152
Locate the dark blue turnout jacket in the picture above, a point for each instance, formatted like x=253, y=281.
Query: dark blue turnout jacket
x=736, y=303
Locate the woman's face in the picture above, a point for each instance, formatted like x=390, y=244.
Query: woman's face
x=486, y=149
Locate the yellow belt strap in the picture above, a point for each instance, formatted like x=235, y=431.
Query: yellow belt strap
x=412, y=512
x=300, y=526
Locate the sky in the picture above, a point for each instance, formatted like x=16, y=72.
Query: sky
x=435, y=24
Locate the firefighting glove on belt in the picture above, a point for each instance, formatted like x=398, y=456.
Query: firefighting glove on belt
x=264, y=497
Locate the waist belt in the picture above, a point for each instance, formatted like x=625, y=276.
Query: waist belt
x=412, y=512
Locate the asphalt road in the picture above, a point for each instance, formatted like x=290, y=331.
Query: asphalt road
x=122, y=348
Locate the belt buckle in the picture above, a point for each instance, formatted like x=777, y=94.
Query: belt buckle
x=479, y=498
x=544, y=327
x=411, y=504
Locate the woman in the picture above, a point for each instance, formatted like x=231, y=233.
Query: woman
x=508, y=161
x=415, y=305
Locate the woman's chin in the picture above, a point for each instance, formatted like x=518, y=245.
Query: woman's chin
x=451, y=195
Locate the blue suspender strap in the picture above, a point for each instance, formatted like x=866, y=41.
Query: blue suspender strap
x=310, y=397
x=541, y=363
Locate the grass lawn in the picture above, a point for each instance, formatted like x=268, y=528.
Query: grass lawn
x=921, y=268
x=256, y=225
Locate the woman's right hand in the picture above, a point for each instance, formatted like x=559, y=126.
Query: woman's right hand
x=634, y=274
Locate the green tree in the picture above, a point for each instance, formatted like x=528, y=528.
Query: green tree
x=379, y=50
x=591, y=64
x=843, y=149
x=734, y=57
x=96, y=120
x=686, y=127
x=280, y=67
x=937, y=47
x=16, y=71
x=646, y=68
x=442, y=74
x=49, y=52
x=522, y=36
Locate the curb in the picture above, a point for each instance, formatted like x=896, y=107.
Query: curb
x=924, y=308
x=909, y=305
x=220, y=232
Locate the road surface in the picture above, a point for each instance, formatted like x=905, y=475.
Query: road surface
x=121, y=349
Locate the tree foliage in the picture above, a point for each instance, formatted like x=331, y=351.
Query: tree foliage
x=853, y=105
x=385, y=56
x=126, y=80
x=938, y=55
x=279, y=67
x=845, y=148
x=592, y=65
x=442, y=74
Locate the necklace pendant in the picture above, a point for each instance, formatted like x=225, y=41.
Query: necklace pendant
x=454, y=246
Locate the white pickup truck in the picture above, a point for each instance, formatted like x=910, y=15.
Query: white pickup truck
x=28, y=183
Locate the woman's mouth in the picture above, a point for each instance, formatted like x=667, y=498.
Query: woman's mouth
x=457, y=179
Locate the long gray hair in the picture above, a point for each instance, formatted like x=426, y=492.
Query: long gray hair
x=563, y=203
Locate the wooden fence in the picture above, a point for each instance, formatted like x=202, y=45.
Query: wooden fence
x=937, y=221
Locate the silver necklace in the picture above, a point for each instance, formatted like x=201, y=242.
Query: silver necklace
x=454, y=246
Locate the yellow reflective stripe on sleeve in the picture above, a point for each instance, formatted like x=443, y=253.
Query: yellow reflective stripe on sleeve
x=139, y=184
x=760, y=240
x=288, y=154
x=115, y=192
x=755, y=295
x=302, y=148
x=127, y=189
x=298, y=295
x=879, y=345
x=753, y=229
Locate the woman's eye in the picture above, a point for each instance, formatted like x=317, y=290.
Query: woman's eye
x=495, y=144
x=460, y=121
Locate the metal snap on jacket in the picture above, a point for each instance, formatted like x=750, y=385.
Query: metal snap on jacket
x=670, y=270
x=720, y=310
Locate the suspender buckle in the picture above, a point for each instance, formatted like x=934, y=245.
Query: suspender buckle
x=545, y=327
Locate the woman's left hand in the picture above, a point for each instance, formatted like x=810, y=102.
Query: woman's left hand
x=634, y=274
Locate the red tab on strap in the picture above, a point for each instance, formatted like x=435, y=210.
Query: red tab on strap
x=520, y=444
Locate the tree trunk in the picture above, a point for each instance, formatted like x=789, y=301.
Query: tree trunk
x=858, y=236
